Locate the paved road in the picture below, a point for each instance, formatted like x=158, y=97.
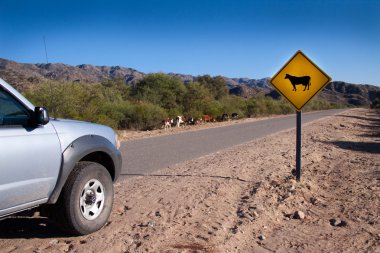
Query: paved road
x=151, y=154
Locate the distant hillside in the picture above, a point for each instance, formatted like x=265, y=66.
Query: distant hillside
x=352, y=94
x=22, y=76
x=336, y=92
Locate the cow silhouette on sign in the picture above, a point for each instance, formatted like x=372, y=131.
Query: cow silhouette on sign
x=295, y=80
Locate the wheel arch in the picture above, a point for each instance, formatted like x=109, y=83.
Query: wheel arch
x=92, y=148
x=102, y=158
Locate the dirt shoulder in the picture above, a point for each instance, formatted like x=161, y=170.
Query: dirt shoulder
x=128, y=135
x=242, y=199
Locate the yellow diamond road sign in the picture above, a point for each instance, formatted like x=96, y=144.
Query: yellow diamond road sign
x=299, y=80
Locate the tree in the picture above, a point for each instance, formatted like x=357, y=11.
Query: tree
x=90, y=102
x=195, y=100
x=234, y=104
x=216, y=85
x=116, y=89
x=68, y=100
x=213, y=108
x=160, y=89
x=145, y=116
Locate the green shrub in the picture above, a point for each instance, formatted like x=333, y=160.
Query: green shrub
x=160, y=89
x=264, y=106
x=145, y=116
x=213, y=108
x=234, y=104
x=217, y=86
x=68, y=100
x=196, y=99
x=320, y=104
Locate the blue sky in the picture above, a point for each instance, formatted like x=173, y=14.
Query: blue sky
x=234, y=38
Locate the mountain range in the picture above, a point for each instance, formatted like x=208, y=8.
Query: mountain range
x=25, y=75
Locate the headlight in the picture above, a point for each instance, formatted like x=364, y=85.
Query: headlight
x=117, y=141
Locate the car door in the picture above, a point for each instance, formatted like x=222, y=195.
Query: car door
x=30, y=157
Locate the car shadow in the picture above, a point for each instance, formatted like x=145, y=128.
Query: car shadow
x=29, y=227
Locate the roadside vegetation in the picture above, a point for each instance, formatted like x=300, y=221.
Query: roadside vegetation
x=153, y=99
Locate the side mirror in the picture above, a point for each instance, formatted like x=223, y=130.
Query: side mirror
x=41, y=115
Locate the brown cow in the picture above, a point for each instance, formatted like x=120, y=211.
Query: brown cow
x=207, y=118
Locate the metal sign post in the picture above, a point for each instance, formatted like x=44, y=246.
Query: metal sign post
x=298, y=147
x=301, y=71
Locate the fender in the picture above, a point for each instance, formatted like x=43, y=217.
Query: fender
x=87, y=148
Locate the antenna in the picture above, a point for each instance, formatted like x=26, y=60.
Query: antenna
x=47, y=61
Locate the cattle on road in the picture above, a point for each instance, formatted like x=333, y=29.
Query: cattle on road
x=180, y=120
x=207, y=118
x=167, y=123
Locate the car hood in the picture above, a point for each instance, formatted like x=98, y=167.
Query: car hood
x=70, y=130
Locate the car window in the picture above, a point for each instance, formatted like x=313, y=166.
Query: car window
x=12, y=112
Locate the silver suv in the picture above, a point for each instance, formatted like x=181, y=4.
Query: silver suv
x=66, y=166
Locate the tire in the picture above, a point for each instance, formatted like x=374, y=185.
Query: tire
x=86, y=200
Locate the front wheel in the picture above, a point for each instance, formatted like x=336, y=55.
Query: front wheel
x=86, y=199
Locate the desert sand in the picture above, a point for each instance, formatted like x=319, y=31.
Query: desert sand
x=242, y=199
